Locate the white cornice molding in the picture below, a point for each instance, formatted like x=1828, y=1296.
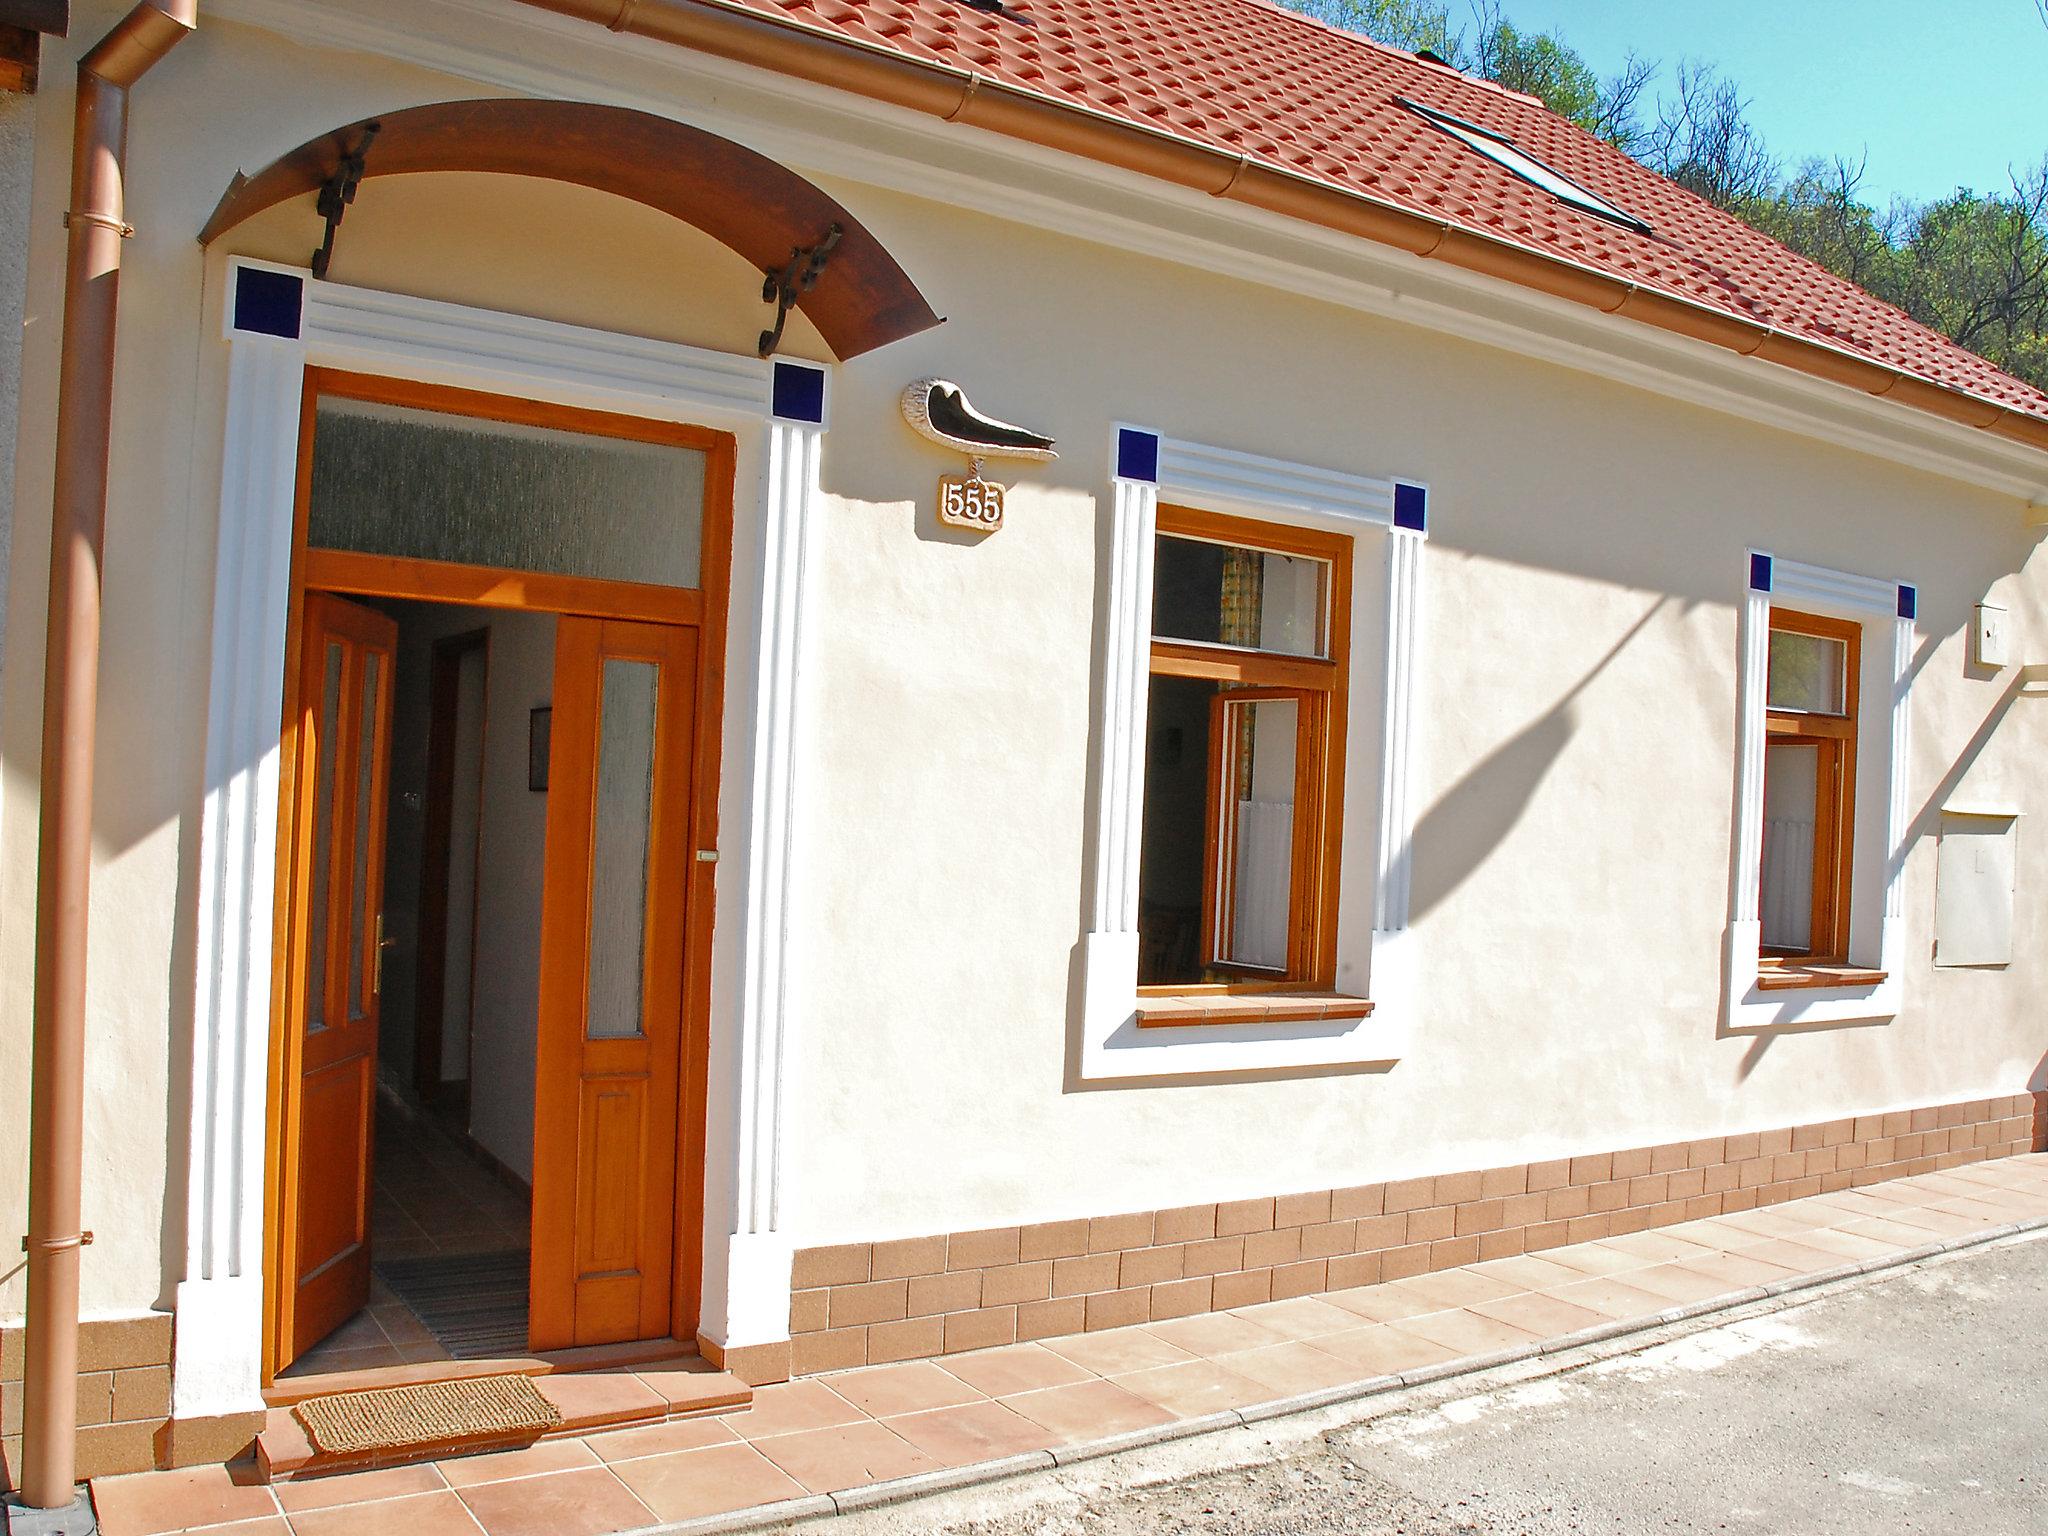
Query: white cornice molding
x=504, y=45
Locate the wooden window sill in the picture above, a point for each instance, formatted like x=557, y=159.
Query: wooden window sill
x=1791, y=977
x=1177, y=1010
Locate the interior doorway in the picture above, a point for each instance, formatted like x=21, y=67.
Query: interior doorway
x=494, y=913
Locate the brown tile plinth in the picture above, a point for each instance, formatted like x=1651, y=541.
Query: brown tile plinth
x=124, y=1386
x=1063, y=1277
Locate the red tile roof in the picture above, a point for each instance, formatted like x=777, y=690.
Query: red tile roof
x=1246, y=77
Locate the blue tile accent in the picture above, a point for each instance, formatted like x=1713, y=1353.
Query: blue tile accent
x=1759, y=572
x=1137, y=455
x=268, y=303
x=1411, y=507
x=798, y=393
x=1909, y=601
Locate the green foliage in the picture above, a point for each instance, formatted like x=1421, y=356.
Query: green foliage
x=1973, y=266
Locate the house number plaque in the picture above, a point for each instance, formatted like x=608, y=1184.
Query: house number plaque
x=968, y=501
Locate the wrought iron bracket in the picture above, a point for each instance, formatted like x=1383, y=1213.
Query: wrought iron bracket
x=337, y=192
x=784, y=288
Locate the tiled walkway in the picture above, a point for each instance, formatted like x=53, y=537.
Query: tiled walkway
x=845, y=1430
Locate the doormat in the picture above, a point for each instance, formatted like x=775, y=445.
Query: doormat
x=394, y=1418
x=474, y=1304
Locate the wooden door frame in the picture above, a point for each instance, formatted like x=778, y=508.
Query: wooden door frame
x=430, y=967
x=704, y=607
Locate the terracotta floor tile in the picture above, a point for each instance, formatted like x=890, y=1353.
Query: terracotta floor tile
x=789, y=1406
x=1116, y=1350
x=528, y=1461
x=600, y=1397
x=1937, y=1223
x=591, y=1502
x=713, y=1481
x=1544, y=1316
x=1985, y=1213
x=1382, y=1303
x=1019, y=1368
x=1771, y=1221
x=845, y=1456
x=1194, y=1387
x=1087, y=1410
x=1454, y=1288
x=269, y=1525
x=659, y=1439
x=1844, y=1245
x=1710, y=1234
x=1796, y=1256
x=1466, y=1333
x=1896, y=1235
x=148, y=1503
x=420, y=1514
x=1209, y=1334
x=357, y=1487
x=1655, y=1247
x=1290, y=1369
x=1526, y=1272
x=1740, y=1271
x=1380, y=1349
x=1613, y=1298
x=971, y=1432
x=1301, y=1317
x=1593, y=1259
x=883, y=1390
x=1679, y=1284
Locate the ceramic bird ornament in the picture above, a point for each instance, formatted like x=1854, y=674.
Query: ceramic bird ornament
x=939, y=409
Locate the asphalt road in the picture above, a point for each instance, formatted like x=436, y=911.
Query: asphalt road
x=1916, y=1403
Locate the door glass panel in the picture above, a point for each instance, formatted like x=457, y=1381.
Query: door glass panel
x=1224, y=594
x=426, y=485
x=618, y=848
x=364, y=901
x=323, y=838
x=1255, y=883
x=1808, y=673
x=1791, y=822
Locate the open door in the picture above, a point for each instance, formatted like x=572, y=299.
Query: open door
x=335, y=957
x=614, y=915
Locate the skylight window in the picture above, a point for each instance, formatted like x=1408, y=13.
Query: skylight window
x=1504, y=154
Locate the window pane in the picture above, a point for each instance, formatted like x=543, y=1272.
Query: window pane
x=323, y=838
x=1791, y=821
x=364, y=901
x=1224, y=594
x=1254, y=886
x=1175, y=839
x=390, y=480
x=1809, y=673
x=619, y=839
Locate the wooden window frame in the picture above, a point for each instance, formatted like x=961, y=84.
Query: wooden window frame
x=1833, y=737
x=1322, y=684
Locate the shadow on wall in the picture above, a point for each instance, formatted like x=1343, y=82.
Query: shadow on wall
x=1475, y=815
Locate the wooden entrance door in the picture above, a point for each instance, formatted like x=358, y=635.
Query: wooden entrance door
x=614, y=916
x=335, y=958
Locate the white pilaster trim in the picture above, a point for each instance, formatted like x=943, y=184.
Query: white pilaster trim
x=277, y=320
x=1147, y=467
x=1881, y=608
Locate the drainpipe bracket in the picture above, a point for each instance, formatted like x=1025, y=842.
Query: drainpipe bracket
x=56, y=1244
x=125, y=231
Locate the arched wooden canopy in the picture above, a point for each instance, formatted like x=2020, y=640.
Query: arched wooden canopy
x=861, y=299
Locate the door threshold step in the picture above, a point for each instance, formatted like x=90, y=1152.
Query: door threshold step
x=589, y=1400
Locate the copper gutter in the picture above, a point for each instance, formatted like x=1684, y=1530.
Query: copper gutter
x=85, y=389
x=845, y=63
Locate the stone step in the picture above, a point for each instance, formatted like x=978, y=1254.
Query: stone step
x=593, y=1398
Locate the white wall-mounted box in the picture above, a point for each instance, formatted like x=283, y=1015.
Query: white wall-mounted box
x=1990, y=645
x=1975, y=870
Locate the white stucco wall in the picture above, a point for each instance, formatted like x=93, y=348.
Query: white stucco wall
x=1572, y=860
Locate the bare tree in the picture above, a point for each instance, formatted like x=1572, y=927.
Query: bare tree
x=1703, y=140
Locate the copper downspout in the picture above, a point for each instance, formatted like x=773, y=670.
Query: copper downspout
x=806, y=52
x=85, y=389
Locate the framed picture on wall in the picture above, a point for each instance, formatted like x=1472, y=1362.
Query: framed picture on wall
x=539, y=724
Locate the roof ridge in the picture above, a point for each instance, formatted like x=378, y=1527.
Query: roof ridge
x=1367, y=40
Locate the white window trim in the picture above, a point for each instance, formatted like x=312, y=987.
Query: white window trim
x=1378, y=964
x=1875, y=605
x=747, y=1244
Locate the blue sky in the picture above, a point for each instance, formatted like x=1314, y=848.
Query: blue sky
x=1940, y=92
